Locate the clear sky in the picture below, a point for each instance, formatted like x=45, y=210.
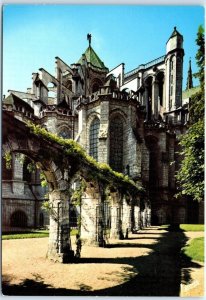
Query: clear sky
x=34, y=34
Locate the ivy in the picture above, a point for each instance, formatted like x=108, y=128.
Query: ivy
x=8, y=159
x=43, y=180
x=78, y=193
x=47, y=206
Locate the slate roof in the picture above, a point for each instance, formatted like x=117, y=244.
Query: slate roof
x=175, y=33
x=93, y=59
x=13, y=100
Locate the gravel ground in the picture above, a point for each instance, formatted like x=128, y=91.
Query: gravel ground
x=120, y=269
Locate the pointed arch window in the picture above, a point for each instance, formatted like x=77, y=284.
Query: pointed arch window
x=116, y=144
x=93, y=138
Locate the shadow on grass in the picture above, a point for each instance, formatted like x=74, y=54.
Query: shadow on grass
x=156, y=274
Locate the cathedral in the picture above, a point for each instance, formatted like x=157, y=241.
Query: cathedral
x=130, y=121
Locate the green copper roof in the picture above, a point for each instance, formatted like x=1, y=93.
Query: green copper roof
x=92, y=58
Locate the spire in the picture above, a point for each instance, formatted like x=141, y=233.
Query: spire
x=89, y=38
x=189, y=77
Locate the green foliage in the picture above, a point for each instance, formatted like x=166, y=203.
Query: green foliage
x=195, y=249
x=192, y=227
x=20, y=157
x=77, y=193
x=190, y=177
x=8, y=159
x=191, y=173
x=46, y=205
x=43, y=179
x=200, y=56
x=31, y=167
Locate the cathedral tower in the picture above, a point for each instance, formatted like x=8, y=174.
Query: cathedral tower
x=174, y=70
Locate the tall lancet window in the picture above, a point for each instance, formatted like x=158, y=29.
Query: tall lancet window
x=116, y=144
x=93, y=138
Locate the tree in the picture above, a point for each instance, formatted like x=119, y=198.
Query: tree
x=191, y=173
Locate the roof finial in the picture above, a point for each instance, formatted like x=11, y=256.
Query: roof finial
x=175, y=28
x=89, y=38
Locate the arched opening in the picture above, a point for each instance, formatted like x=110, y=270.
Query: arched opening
x=116, y=143
x=94, y=138
x=149, y=99
x=73, y=217
x=96, y=85
x=51, y=90
x=19, y=219
x=68, y=84
x=66, y=133
x=160, y=79
x=27, y=172
x=41, y=219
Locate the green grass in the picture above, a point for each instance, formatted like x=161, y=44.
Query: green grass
x=195, y=249
x=187, y=227
x=192, y=227
x=30, y=234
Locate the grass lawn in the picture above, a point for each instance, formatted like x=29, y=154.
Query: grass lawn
x=195, y=249
x=192, y=227
x=187, y=227
x=30, y=234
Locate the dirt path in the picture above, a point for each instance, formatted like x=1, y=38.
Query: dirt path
x=145, y=264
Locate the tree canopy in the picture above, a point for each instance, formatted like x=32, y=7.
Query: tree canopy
x=190, y=176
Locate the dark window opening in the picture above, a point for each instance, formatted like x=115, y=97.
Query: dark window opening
x=160, y=79
x=41, y=220
x=149, y=99
x=116, y=144
x=94, y=138
x=18, y=219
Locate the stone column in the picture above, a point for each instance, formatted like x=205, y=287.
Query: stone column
x=146, y=96
x=89, y=210
x=126, y=218
x=167, y=85
x=18, y=183
x=114, y=223
x=148, y=214
x=59, y=233
x=103, y=151
x=137, y=221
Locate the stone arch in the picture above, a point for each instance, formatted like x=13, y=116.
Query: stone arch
x=96, y=83
x=118, y=112
x=148, y=82
x=64, y=131
x=19, y=219
x=69, y=84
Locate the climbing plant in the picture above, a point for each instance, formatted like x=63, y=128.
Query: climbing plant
x=8, y=158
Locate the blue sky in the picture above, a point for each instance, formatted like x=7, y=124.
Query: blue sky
x=34, y=34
